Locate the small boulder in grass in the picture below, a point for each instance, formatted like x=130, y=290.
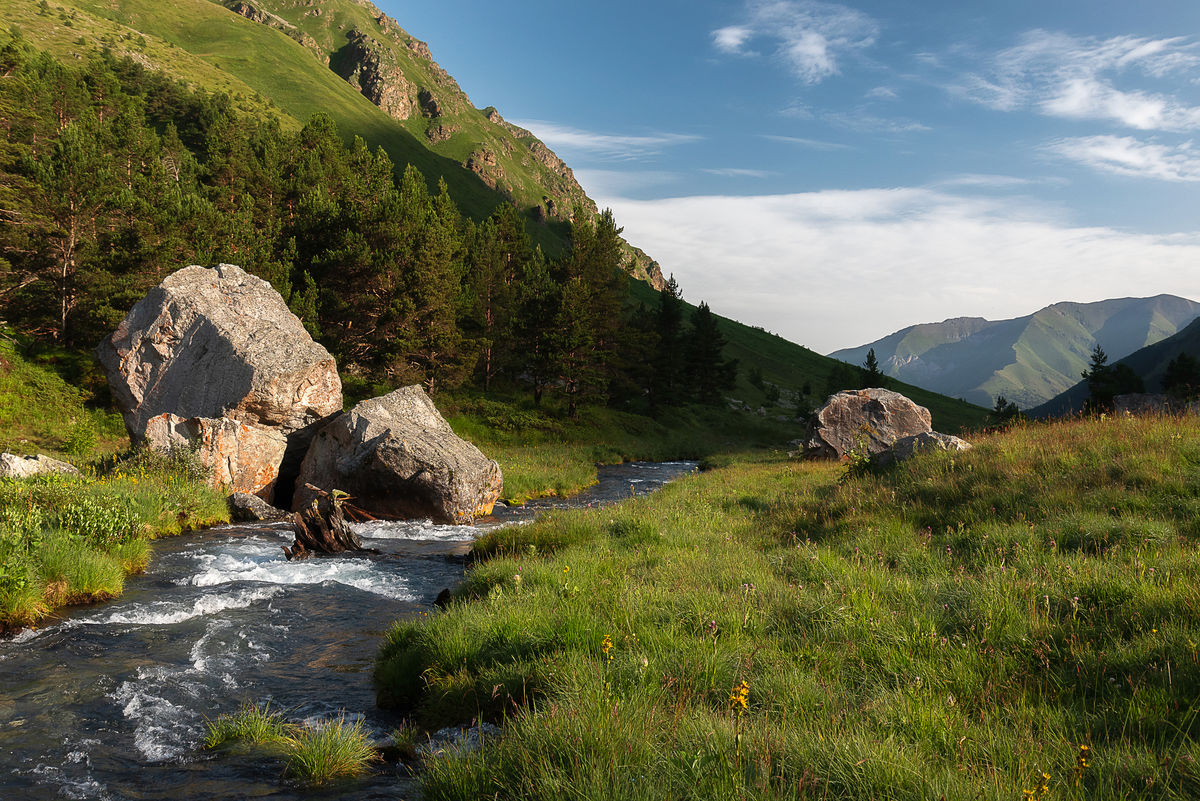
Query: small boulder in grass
x=908, y=447
x=14, y=465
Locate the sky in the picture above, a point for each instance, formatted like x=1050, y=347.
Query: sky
x=834, y=172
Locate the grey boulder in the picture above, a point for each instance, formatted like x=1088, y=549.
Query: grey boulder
x=14, y=465
x=929, y=442
x=397, y=457
x=247, y=508
x=871, y=420
x=218, y=342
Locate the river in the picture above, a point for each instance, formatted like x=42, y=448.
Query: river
x=110, y=701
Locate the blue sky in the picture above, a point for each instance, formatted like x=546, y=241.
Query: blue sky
x=836, y=171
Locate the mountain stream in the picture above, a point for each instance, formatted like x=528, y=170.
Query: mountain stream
x=110, y=701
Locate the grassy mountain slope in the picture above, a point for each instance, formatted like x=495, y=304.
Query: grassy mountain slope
x=289, y=60
x=792, y=367
x=1149, y=362
x=1027, y=359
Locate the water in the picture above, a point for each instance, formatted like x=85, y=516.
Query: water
x=110, y=701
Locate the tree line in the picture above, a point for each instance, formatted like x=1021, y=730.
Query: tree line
x=112, y=176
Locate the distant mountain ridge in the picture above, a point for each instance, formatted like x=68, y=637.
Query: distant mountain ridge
x=1029, y=359
x=1150, y=363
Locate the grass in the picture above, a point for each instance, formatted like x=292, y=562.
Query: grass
x=542, y=452
x=73, y=539
x=41, y=413
x=1020, y=620
x=314, y=755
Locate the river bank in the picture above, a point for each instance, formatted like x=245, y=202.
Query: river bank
x=111, y=701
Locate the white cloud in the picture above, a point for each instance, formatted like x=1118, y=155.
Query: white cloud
x=1077, y=78
x=565, y=139
x=737, y=172
x=883, y=93
x=809, y=36
x=800, y=141
x=731, y=39
x=835, y=269
x=1126, y=155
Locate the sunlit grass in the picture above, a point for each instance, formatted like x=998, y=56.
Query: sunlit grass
x=958, y=626
x=314, y=754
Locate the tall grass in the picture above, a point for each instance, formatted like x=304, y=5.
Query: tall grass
x=960, y=627
x=314, y=754
x=73, y=539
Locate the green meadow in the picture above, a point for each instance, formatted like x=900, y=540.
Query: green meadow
x=1016, y=621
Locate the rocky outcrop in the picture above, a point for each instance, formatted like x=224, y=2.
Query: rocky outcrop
x=483, y=163
x=256, y=14
x=238, y=457
x=439, y=133
x=14, y=465
x=863, y=419
x=906, y=448
x=218, y=342
x=397, y=457
x=365, y=65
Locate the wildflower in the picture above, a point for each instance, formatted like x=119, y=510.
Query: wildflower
x=1083, y=761
x=566, y=568
x=606, y=646
x=1041, y=790
x=739, y=697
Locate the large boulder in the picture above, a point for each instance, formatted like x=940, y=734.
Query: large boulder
x=397, y=457
x=14, y=465
x=238, y=457
x=218, y=342
x=871, y=419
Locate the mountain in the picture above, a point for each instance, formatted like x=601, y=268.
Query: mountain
x=1030, y=359
x=286, y=60
x=283, y=202
x=1150, y=363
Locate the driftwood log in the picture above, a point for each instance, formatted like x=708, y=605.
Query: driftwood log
x=323, y=528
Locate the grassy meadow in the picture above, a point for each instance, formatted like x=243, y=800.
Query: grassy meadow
x=73, y=539
x=1017, y=621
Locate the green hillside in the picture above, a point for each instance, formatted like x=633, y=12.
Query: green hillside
x=284, y=61
x=793, y=367
x=1028, y=359
x=1150, y=363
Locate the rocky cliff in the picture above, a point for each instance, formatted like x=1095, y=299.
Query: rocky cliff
x=397, y=72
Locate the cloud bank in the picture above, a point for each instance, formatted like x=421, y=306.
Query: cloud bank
x=1087, y=78
x=837, y=269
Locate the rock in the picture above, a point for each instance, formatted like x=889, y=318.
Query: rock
x=218, y=342
x=14, y=465
x=369, y=67
x=908, y=447
x=247, y=508
x=239, y=457
x=874, y=418
x=397, y=457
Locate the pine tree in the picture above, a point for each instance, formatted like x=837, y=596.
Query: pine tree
x=872, y=376
x=707, y=374
x=1182, y=377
